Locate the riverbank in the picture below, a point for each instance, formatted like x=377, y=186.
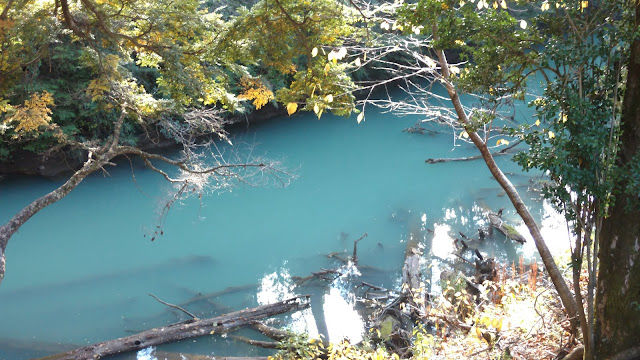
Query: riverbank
x=62, y=162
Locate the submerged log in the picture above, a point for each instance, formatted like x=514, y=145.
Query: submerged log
x=183, y=330
x=508, y=230
x=476, y=157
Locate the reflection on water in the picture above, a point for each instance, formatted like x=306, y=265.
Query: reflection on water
x=336, y=315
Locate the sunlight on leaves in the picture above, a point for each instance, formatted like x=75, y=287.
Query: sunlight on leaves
x=34, y=113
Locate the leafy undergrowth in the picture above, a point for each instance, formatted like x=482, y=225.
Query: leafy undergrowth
x=518, y=317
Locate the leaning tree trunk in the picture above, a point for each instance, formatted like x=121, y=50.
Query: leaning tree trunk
x=618, y=293
x=568, y=301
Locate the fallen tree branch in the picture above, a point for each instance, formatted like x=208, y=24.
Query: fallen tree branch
x=477, y=157
x=184, y=330
x=174, y=306
x=354, y=258
x=258, y=343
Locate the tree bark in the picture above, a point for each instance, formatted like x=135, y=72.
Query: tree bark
x=618, y=290
x=183, y=330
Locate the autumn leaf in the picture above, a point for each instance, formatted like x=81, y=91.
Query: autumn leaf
x=360, y=117
x=292, y=108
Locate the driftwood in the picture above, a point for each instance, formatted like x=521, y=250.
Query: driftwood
x=183, y=330
x=477, y=157
x=268, y=331
x=508, y=230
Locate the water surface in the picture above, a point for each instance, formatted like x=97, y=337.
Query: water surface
x=80, y=270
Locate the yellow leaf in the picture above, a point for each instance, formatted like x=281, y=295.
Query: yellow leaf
x=523, y=24
x=503, y=4
x=314, y=52
x=551, y=134
x=563, y=118
x=463, y=135
x=316, y=109
x=358, y=63
x=291, y=108
x=326, y=69
x=538, y=122
x=584, y=4
x=328, y=98
x=478, y=333
x=495, y=4
x=502, y=141
x=360, y=117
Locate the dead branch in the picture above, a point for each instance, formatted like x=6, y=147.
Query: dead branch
x=477, y=157
x=175, y=307
x=258, y=343
x=354, y=258
x=184, y=330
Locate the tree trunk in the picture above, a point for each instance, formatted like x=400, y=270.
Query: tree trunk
x=183, y=330
x=618, y=291
x=568, y=301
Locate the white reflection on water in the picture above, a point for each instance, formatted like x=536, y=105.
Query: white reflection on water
x=338, y=305
x=279, y=286
x=553, y=228
x=340, y=315
x=442, y=246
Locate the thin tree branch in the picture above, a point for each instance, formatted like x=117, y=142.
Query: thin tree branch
x=174, y=306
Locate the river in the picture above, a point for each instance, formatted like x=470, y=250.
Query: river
x=80, y=271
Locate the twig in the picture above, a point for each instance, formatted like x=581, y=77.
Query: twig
x=174, y=306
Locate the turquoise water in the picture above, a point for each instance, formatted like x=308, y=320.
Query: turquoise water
x=80, y=270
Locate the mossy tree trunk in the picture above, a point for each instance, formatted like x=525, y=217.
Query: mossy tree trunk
x=618, y=293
